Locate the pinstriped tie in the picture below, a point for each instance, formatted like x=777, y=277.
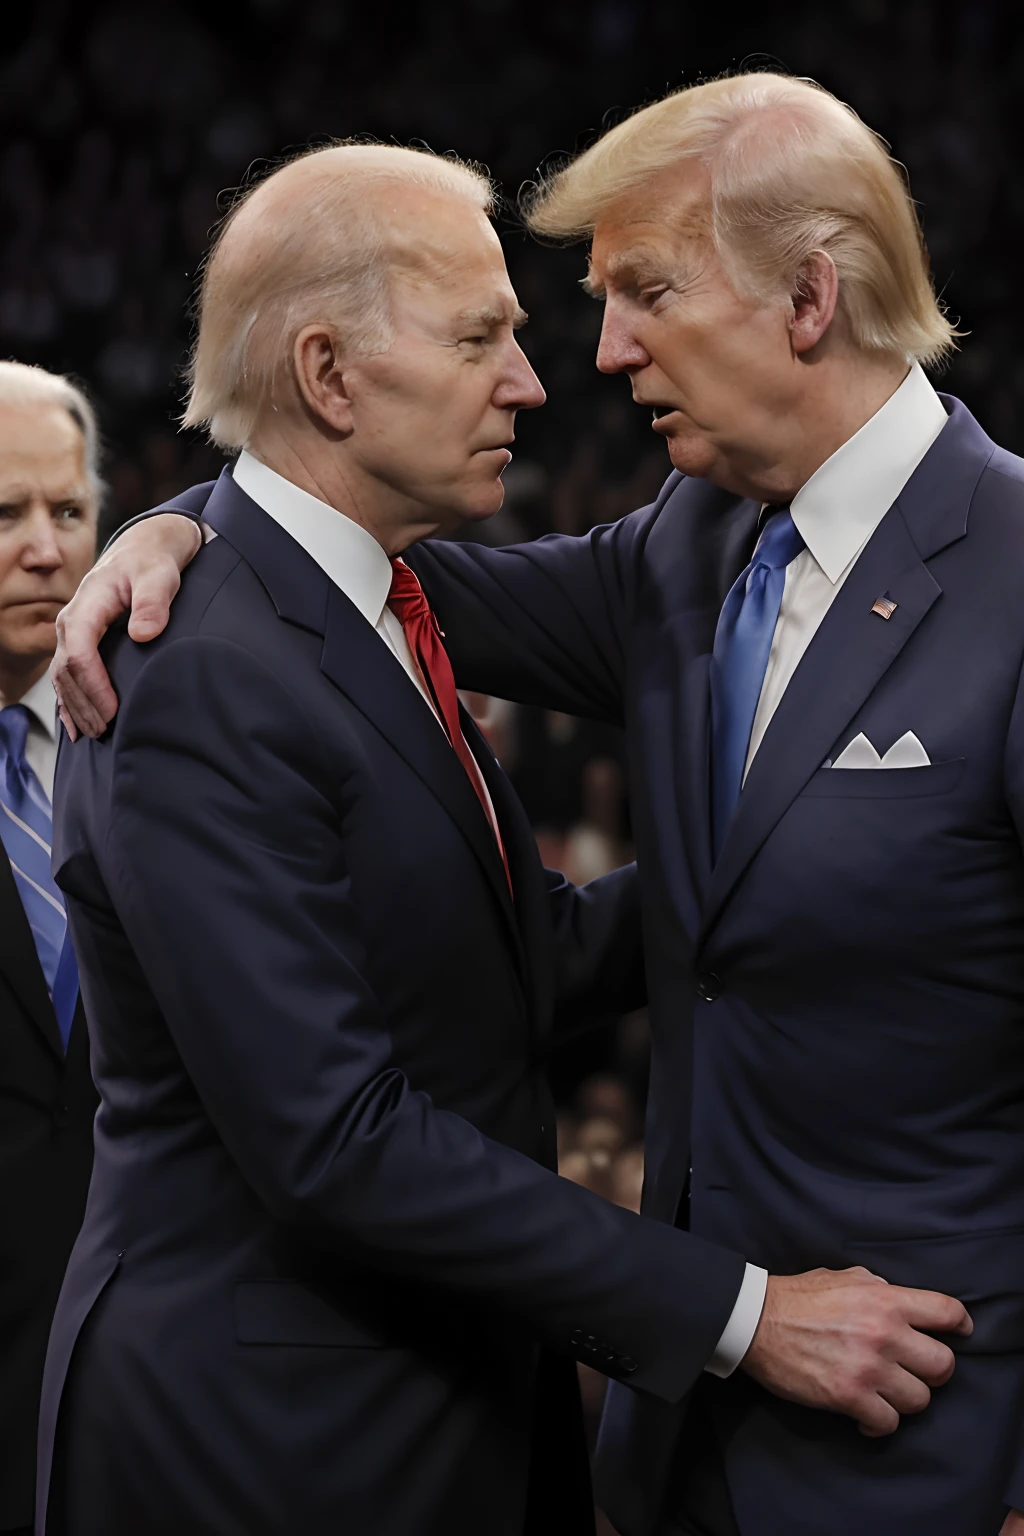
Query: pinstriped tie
x=26, y=830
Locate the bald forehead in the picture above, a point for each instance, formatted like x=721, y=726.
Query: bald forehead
x=375, y=173
x=450, y=247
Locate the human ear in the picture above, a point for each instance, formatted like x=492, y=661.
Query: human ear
x=814, y=297
x=320, y=377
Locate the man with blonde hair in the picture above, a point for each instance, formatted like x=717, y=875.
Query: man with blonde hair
x=49, y=494
x=814, y=638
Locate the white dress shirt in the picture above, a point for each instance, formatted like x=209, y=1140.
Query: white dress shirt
x=836, y=513
x=344, y=551
x=41, y=741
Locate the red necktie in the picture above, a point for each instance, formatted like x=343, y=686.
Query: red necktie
x=408, y=602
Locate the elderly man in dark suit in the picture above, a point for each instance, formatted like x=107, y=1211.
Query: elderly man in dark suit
x=309, y=953
x=48, y=503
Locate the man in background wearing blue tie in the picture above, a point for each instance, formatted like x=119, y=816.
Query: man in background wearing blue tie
x=49, y=492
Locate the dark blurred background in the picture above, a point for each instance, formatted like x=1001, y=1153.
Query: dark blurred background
x=125, y=127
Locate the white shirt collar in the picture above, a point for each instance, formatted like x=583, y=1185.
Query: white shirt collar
x=41, y=702
x=343, y=550
x=844, y=501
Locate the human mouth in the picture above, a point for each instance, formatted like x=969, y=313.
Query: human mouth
x=660, y=417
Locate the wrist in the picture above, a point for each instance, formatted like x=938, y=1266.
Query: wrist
x=185, y=531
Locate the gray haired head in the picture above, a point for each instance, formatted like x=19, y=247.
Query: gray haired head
x=28, y=384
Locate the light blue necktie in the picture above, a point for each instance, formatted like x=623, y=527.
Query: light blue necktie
x=26, y=830
x=743, y=642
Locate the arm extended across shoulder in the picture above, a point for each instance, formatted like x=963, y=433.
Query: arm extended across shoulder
x=545, y=622
x=223, y=803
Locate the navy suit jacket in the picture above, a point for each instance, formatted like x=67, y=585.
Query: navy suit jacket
x=838, y=1003
x=47, y=1104
x=326, y=1269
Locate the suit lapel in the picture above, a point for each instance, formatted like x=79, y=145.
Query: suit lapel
x=360, y=665
x=20, y=963
x=364, y=669
x=530, y=918
x=854, y=647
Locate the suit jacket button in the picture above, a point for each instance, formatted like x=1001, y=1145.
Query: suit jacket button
x=627, y=1365
x=576, y=1337
x=709, y=986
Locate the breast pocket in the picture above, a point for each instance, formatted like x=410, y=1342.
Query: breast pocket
x=885, y=783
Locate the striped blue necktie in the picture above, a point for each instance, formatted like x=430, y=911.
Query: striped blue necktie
x=743, y=643
x=26, y=830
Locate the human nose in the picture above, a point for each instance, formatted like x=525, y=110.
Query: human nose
x=520, y=390
x=41, y=550
x=618, y=349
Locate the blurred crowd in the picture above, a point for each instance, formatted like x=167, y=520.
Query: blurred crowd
x=126, y=129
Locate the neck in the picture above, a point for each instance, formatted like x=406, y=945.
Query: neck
x=837, y=395
x=17, y=677
x=324, y=472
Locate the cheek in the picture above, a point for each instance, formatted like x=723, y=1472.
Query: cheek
x=79, y=551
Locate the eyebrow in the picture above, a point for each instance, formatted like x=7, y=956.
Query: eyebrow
x=17, y=495
x=492, y=315
x=631, y=268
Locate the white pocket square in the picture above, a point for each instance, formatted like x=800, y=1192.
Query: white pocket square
x=905, y=753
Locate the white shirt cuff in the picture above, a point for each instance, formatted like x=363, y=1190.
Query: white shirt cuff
x=742, y=1325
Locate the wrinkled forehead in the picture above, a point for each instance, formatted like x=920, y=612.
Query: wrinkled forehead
x=451, y=259
x=41, y=449
x=666, y=221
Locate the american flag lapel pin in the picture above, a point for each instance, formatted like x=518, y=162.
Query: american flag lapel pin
x=884, y=606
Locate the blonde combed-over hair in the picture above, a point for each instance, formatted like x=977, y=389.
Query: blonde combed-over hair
x=328, y=261
x=792, y=171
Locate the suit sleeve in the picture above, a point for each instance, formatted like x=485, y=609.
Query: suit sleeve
x=1013, y=778
x=542, y=623
x=599, y=955
x=225, y=823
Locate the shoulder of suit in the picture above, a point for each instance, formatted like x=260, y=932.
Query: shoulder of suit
x=1008, y=467
x=684, y=497
x=204, y=581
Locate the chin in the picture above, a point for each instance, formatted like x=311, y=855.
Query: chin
x=30, y=643
x=483, y=502
x=691, y=457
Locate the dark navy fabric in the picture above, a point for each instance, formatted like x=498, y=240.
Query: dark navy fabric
x=47, y=1103
x=328, y=1280
x=838, y=1002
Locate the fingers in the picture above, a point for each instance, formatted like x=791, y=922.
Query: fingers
x=67, y=722
x=79, y=676
x=879, y=1419
x=937, y=1313
x=142, y=572
x=77, y=706
x=929, y=1359
x=901, y=1393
